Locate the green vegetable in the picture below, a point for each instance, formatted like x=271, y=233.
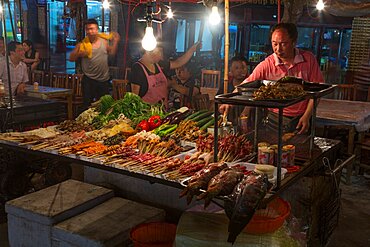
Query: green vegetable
x=167, y=131
x=208, y=124
x=204, y=121
x=202, y=116
x=106, y=102
x=195, y=114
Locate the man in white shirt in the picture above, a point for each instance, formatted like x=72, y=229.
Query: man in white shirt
x=18, y=69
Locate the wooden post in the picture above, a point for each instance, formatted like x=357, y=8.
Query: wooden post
x=227, y=44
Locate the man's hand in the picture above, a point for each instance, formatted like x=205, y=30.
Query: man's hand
x=303, y=124
x=116, y=37
x=80, y=53
x=196, y=46
x=20, y=88
x=224, y=108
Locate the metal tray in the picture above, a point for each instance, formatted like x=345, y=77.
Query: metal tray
x=240, y=99
x=315, y=90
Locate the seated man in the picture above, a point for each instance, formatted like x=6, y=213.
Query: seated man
x=18, y=69
x=238, y=72
x=182, y=87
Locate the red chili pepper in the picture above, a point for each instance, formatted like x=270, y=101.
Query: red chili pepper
x=143, y=125
x=154, y=122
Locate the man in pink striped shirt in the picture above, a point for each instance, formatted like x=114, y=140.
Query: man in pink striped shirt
x=288, y=61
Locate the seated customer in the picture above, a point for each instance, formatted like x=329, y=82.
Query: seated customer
x=32, y=57
x=238, y=72
x=18, y=69
x=182, y=87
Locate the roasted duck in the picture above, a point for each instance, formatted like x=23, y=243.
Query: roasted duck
x=243, y=202
x=200, y=180
x=222, y=184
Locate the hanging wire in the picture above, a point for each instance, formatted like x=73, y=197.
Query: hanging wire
x=329, y=168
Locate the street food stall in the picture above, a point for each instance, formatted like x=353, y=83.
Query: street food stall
x=153, y=157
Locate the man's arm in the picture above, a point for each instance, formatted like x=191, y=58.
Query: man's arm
x=76, y=53
x=112, y=50
x=184, y=58
x=179, y=88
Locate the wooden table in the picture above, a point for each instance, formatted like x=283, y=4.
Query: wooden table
x=351, y=115
x=51, y=92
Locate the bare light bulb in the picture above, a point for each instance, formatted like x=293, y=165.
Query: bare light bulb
x=149, y=42
x=105, y=4
x=169, y=13
x=320, y=5
x=214, y=17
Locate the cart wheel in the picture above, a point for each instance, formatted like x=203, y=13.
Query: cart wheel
x=57, y=172
x=13, y=184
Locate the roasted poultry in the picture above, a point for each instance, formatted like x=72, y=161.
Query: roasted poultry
x=200, y=180
x=243, y=202
x=222, y=184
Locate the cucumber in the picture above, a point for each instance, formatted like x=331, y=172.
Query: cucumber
x=204, y=121
x=195, y=114
x=202, y=116
x=208, y=124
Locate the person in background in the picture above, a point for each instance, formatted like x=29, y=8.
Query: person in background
x=287, y=60
x=148, y=75
x=93, y=51
x=32, y=57
x=238, y=72
x=183, y=86
x=18, y=69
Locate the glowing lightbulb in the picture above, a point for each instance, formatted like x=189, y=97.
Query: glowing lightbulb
x=105, y=4
x=149, y=42
x=214, y=17
x=169, y=13
x=320, y=5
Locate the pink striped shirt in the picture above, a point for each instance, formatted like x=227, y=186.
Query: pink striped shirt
x=304, y=66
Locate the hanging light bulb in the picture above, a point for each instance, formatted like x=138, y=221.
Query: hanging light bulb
x=320, y=5
x=149, y=42
x=105, y=4
x=214, y=17
x=169, y=13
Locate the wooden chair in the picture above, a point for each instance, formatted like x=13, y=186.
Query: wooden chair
x=201, y=101
x=210, y=82
x=362, y=92
x=127, y=73
x=60, y=80
x=210, y=78
x=119, y=88
x=362, y=151
x=37, y=76
x=345, y=92
x=77, y=97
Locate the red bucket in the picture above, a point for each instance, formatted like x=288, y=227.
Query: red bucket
x=270, y=219
x=156, y=234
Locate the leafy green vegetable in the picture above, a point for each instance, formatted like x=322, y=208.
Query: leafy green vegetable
x=106, y=102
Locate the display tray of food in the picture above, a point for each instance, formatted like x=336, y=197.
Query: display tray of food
x=280, y=93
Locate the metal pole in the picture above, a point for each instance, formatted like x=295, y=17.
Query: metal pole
x=20, y=17
x=7, y=59
x=11, y=21
x=227, y=44
x=102, y=19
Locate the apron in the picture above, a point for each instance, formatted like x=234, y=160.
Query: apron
x=157, y=87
